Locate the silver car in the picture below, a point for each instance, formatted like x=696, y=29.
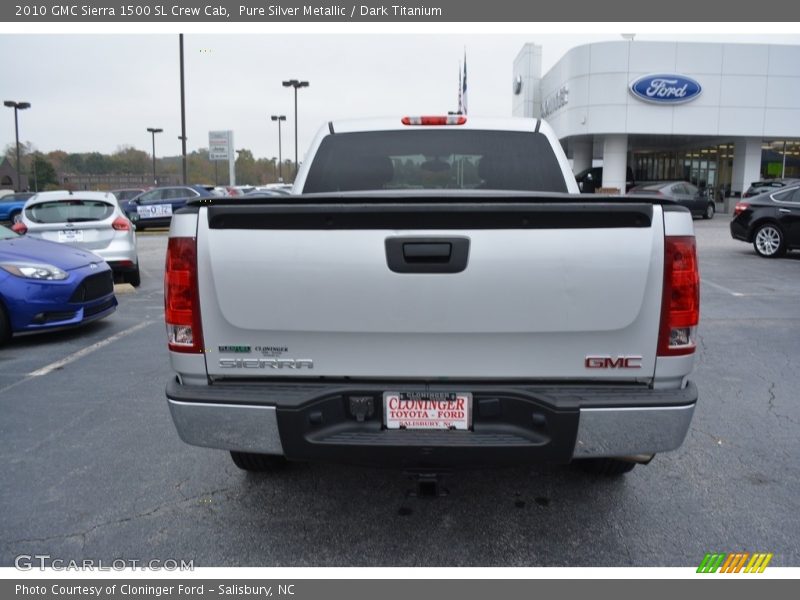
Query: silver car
x=89, y=220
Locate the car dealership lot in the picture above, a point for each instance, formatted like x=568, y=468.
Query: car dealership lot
x=92, y=466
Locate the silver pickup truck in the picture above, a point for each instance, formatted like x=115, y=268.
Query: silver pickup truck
x=437, y=295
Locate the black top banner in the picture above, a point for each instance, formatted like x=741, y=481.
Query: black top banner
x=441, y=11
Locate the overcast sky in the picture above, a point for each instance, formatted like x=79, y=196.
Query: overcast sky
x=99, y=92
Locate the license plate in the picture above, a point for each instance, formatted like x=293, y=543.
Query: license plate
x=427, y=410
x=152, y=211
x=70, y=235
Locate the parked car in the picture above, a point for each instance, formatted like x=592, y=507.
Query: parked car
x=11, y=205
x=128, y=193
x=154, y=208
x=683, y=193
x=44, y=286
x=239, y=190
x=768, y=185
x=589, y=180
x=88, y=220
x=769, y=221
x=281, y=187
x=265, y=191
x=408, y=312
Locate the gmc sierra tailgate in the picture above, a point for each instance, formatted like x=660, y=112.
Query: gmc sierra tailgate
x=423, y=289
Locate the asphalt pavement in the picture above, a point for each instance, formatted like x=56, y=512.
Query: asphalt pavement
x=92, y=467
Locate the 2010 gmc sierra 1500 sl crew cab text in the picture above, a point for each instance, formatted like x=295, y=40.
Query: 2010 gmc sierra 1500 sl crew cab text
x=439, y=295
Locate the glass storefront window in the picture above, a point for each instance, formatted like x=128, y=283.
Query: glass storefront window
x=707, y=167
x=780, y=158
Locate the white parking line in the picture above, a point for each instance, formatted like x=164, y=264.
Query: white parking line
x=88, y=350
x=721, y=287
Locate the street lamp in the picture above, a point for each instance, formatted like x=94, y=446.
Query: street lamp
x=182, y=136
x=154, y=131
x=279, y=118
x=17, y=106
x=295, y=84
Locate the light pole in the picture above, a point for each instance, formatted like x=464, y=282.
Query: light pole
x=35, y=178
x=17, y=106
x=183, y=139
x=154, y=131
x=279, y=118
x=295, y=84
x=182, y=136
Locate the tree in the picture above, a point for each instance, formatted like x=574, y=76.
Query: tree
x=73, y=163
x=128, y=159
x=41, y=173
x=95, y=163
x=57, y=158
x=25, y=148
x=246, y=171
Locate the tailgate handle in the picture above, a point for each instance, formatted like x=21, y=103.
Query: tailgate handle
x=427, y=254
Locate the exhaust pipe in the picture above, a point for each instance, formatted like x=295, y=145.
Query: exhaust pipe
x=641, y=459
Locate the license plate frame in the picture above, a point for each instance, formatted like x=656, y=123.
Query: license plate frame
x=154, y=211
x=66, y=236
x=427, y=411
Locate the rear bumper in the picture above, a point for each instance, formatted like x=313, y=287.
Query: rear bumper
x=740, y=231
x=511, y=424
x=123, y=265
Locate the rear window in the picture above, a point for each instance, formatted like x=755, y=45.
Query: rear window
x=435, y=159
x=69, y=211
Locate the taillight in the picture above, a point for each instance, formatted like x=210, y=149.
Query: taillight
x=19, y=227
x=443, y=120
x=680, y=305
x=181, y=297
x=121, y=224
x=740, y=208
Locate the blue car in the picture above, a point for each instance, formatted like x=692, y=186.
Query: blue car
x=11, y=205
x=46, y=286
x=154, y=208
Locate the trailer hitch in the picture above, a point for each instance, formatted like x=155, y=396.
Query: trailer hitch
x=427, y=484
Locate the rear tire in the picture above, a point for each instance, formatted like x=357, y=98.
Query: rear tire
x=13, y=216
x=769, y=241
x=248, y=461
x=710, y=210
x=606, y=467
x=134, y=277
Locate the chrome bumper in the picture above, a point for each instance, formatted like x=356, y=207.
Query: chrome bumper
x=227, y=426
x=631, y=431
x=601, y=431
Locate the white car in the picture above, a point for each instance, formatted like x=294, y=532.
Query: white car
x=89, y=220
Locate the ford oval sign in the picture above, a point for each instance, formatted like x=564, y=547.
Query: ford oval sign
x=666, y=89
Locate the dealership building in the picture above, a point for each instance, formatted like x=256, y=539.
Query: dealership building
x=718, y=115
